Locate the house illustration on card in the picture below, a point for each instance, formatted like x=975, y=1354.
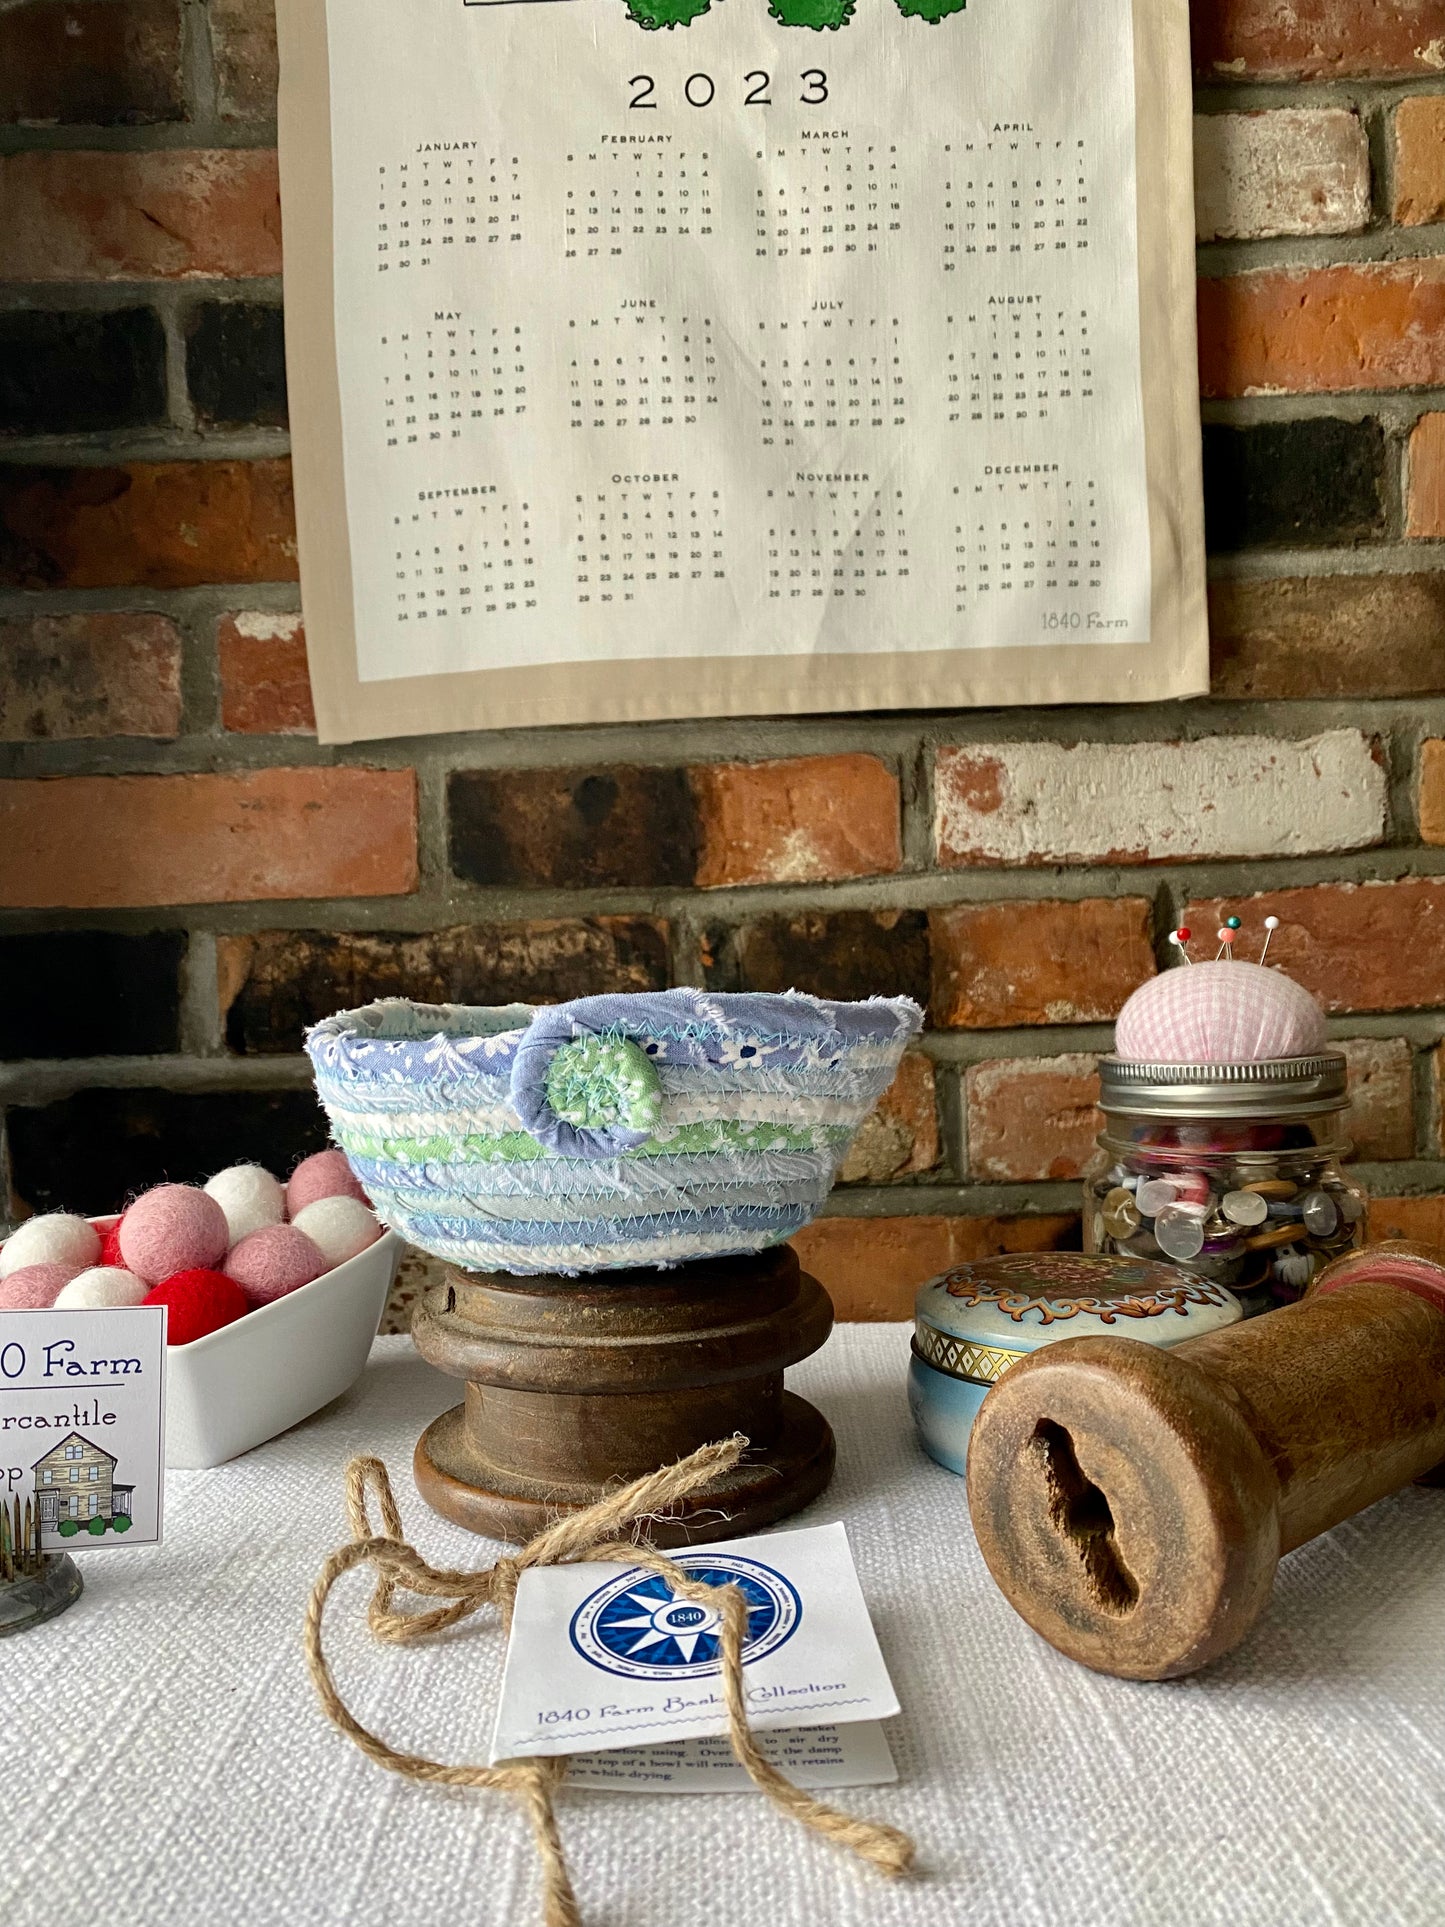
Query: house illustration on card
x=75, y=1483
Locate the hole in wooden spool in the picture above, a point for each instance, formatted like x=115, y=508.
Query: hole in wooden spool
x=451, y=1303
x=1080, y=1511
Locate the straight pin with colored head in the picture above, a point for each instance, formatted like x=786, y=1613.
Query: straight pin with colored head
x=1271, y=924
x=1179, y=938
x=1226, y=933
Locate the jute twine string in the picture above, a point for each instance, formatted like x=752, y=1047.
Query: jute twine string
x=591, y=1534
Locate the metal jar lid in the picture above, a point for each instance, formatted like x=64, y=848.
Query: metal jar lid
x=1276, y=1087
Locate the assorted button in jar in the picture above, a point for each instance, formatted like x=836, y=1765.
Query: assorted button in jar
x=1229, y=1171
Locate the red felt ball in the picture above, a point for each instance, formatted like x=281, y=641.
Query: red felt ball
x=325, y=1174
x=110, y=1247
x=199, y=1302
x=175, y=1227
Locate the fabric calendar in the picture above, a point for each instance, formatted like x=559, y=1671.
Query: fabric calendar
x=658, y=358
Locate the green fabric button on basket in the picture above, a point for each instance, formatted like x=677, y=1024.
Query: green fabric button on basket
x=605, y=1083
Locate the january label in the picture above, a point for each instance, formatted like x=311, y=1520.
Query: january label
x=82, y=1425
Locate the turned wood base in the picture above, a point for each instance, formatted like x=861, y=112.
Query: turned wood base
x=577, y=1385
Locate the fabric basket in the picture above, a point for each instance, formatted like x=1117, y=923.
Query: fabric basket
x=608, y=1132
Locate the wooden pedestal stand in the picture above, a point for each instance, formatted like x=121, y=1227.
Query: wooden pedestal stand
x=576, y=1385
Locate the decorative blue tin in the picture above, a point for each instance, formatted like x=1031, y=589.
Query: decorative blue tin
x=975, y=1321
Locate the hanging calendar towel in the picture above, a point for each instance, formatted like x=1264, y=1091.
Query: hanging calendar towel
x=662, y=358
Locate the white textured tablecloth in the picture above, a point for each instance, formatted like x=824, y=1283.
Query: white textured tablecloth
x=163, y=1761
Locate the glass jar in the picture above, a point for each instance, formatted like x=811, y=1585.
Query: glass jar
x=1231, y=1172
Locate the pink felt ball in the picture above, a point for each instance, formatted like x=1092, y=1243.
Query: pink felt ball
x=273, y=1261
x=1219, y=1013
x=325, y=1174
x=173, y=1228
x=35, y=1287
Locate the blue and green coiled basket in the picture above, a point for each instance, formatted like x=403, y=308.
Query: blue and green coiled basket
x=605, y=1133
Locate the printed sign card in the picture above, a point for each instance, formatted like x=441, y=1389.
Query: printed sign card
x=606, y=1656
x=82, y=1424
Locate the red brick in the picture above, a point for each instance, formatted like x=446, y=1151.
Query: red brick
x=273, y=984
x=1421, y=1220
x=97, y=63
x=85, y=216
x=67, y=677
x=1332, y=635
x=1031, y=1118
x=1432, y=791
x=810, y=819
x=1425, y=515
x=1034, y=803
x=839, y=954
x=999, y=964
x=265, y=686
x=1357, y=946
x=616, y=826
x=1420, y=160
x=1317, y=39
x=900, y=1138
x=159, y=525
x=1323, y=330
x=243, y=46
x=872, y=1267
x=1381, y=1122
x=108, y=842
x=1291, y=170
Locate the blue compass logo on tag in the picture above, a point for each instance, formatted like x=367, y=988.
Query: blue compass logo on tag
x=635, y=1625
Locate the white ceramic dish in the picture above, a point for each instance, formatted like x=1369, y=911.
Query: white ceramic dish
x=248, y=1381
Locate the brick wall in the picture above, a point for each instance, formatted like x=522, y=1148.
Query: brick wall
x=191, y=879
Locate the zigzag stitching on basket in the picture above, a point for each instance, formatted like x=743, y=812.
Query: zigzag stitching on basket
x=831, y=1022
x=656, y=1223
x=677, y=1080
x=632, y=1213
x=636, y=1178
x=821, y=1114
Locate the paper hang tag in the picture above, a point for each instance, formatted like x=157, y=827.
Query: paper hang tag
x=814, y=1756
x=604, y=1656
x=82, y=1424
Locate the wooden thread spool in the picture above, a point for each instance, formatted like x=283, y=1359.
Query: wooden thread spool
x=1133, y=1503
x=575, y=1385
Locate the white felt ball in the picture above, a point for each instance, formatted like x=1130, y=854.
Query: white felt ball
x=100, y=1289
x=1219, y=1013
x=250, y=1197
x=58, y=1238
x=338, y=1227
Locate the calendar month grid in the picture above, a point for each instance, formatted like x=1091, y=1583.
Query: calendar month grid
x=733, y=336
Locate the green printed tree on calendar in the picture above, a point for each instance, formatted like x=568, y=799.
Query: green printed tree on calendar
x=819, y=15
x=816, y=14
x=930, y=10
x=651, y=14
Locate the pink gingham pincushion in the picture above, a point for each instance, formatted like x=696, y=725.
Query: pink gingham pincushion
x=1219, y=1013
